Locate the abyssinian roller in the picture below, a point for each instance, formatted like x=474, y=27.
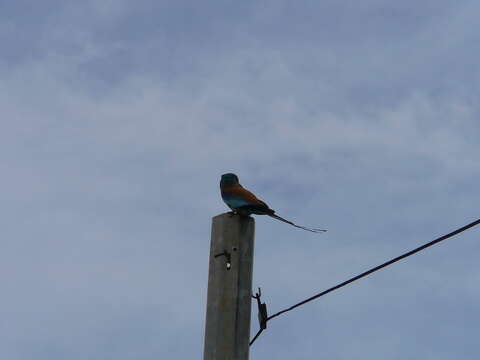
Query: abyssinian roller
x=243, y=202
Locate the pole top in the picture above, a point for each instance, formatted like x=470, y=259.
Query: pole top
x=231, y=215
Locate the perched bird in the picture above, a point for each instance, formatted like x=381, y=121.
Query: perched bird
x=243, y=202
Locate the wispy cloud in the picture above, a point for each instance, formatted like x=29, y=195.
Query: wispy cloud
x=117, y=121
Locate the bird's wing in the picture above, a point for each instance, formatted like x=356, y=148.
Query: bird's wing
x=238, y=196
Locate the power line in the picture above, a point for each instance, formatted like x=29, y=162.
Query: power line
x=368, y=272
x=256, y=336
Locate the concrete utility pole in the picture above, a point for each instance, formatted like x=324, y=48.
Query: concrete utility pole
x=227, y=328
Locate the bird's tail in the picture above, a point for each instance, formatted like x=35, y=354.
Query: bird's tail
x=298, y=226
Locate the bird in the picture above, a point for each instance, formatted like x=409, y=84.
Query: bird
x=243, y=202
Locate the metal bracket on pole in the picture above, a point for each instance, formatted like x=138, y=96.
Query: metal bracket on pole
x=262, y=310
x=228, y=257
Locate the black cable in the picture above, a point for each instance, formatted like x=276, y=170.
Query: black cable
x=368, y=272
x=256, y=336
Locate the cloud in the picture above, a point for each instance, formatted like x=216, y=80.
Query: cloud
x=119, y=120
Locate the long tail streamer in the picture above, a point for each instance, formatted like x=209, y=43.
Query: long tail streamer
x=297, y=226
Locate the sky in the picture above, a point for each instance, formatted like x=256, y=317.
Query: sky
x=119, y=117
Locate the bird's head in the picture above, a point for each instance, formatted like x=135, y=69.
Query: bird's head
x=228, y=180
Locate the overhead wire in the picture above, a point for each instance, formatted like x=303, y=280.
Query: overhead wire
x=368, y=272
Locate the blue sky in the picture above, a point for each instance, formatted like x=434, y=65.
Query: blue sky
x=118, y=119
